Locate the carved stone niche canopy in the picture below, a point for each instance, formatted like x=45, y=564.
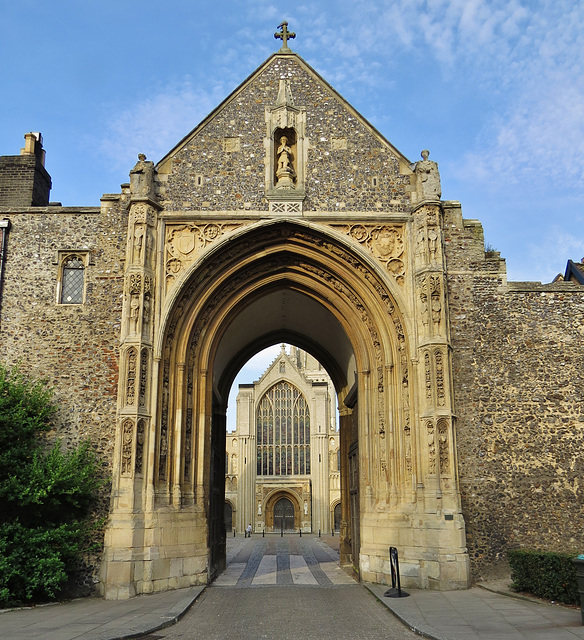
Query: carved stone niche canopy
x=285, y=152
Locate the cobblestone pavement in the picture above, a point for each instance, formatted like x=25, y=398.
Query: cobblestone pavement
x=286, y=588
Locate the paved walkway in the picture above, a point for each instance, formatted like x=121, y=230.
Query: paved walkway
x=298, y=578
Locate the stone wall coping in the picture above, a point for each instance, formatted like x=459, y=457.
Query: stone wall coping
x=552, y=287
x=45, y=210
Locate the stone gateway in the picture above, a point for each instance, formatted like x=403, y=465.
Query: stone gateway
x=286, y=217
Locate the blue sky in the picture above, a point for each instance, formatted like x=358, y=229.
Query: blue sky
x=493, y=88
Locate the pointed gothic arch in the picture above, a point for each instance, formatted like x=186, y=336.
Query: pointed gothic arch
x=274, y=281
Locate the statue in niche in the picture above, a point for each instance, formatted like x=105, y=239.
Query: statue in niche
x=428, y=177
x=142, y=178
x=305, y=508
x=424, y=301
x=259, y=508
x=134, y=312
x=138, y=243
x=421, y=243
x=432, y=239
x=285, y=171
x=146, y=315
x=150, y=247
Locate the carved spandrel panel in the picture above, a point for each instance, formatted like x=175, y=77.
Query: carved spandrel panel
x=184, y=243
x=384, y=242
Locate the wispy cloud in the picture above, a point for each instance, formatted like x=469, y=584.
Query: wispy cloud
x=522, y=56
x=155, y=124
x=543, y=263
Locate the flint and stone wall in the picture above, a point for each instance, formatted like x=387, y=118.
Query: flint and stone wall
x=74, y=347
x=342, y=152
x=519, y=384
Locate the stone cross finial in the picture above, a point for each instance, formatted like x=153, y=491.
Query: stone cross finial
x=283, y=36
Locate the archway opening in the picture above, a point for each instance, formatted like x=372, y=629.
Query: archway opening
x=298, y=454
x=295, y=281
x=286, y=405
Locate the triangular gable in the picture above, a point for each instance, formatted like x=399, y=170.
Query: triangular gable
x=161, y=166
x=273, y=373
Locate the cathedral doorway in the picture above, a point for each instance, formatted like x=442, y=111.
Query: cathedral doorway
x=228, y=517
x=284, y=515
x=337, y=517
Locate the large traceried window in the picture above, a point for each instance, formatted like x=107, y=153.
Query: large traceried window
x=283, y=432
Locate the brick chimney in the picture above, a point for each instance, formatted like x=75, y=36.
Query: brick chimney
x=24, y=181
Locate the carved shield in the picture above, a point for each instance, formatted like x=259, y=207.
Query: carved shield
x=184, y=240
x=386, y=243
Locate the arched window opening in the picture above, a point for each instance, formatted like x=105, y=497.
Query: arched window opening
x=283, y=432
x=72, y=280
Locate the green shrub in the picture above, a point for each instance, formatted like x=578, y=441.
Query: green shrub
x=545, y=574
x=45, y=495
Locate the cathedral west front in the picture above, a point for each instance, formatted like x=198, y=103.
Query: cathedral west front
x=286, y=217
x=282, y=462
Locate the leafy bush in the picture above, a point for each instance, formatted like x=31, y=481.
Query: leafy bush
x=545, y=574
x=45, y=495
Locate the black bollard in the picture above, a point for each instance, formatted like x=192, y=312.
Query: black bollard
x=333, y=532
x=301, y=532
x=282, y=532
x=396, y=590
x=264, y=533
x=234, y=533
x=319, y=533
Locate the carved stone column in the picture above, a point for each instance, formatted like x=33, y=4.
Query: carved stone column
x=134, y=406
x=440, y=498
x=345, y=528
x=122, y=569
x=435, y=401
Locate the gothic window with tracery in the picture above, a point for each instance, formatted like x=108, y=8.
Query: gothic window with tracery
x=72, y=280
x=283, y=432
